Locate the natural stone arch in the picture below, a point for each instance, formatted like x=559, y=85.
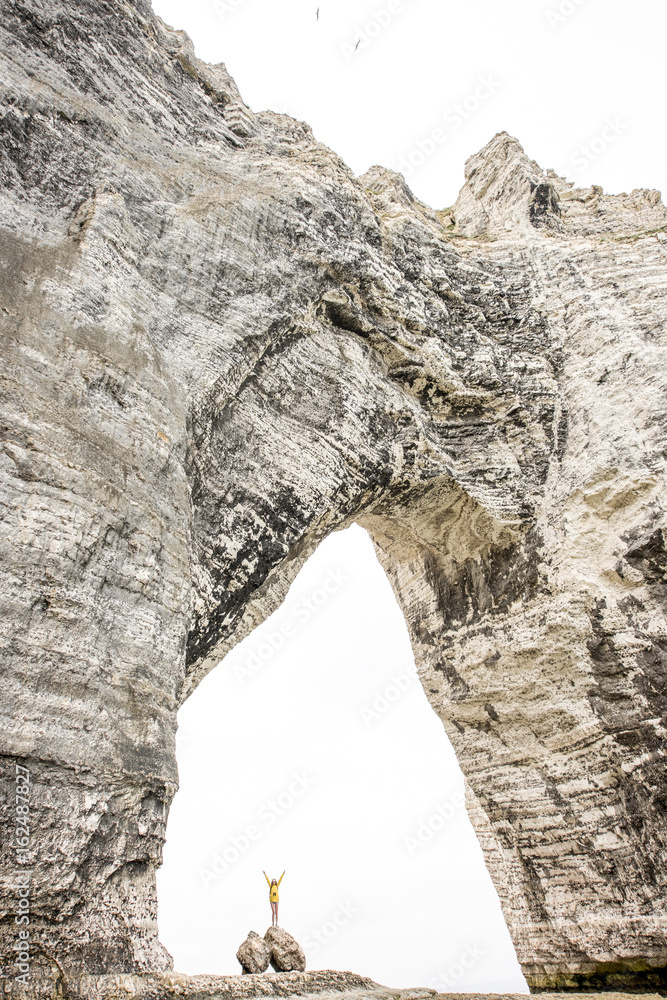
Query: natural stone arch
x=485, y=392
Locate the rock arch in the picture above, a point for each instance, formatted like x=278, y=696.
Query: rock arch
x=220, y=346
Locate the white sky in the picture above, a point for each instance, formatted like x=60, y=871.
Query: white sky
x=555, y=79
x=581, y=83
x=316, y=733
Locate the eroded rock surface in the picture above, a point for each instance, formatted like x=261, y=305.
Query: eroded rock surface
x=323, y=984
x=218, y=347
x=286, y=952
x=254, y=954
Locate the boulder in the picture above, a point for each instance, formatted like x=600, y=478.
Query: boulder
x=254, y=954
x=286, y=953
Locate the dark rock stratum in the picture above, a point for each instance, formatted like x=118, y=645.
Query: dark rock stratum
x=218, y=347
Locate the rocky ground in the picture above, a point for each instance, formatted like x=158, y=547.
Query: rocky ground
x=324, y=985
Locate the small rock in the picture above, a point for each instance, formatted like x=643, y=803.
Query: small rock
x=254, y=954
x=286, y=953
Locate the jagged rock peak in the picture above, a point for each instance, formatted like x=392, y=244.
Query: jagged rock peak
x=504, y=190
x=382, y=181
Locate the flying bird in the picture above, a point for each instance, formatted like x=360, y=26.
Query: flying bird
x=317, y=14
x=357, y=45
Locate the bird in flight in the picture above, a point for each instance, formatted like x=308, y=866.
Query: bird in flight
x=317, y=14
x=357, y=45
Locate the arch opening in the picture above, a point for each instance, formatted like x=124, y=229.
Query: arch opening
x=312, y=746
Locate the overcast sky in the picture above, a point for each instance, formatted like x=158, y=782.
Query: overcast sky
x=555, y=80
x=312, y=748
x=323, y=756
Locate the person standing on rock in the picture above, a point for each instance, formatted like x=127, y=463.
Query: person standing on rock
x=273, y=897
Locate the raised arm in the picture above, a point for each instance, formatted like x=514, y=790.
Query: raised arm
x=266, y=877
x=280, y=879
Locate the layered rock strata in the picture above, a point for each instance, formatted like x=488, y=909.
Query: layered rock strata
x=218, y=347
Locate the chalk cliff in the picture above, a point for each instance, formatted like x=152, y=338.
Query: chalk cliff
x=218, y=347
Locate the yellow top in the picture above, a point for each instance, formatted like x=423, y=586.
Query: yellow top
x=273, y=889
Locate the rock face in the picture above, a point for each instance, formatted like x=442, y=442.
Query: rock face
x=286, y=953
x=219, y=346
x=254, y=954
